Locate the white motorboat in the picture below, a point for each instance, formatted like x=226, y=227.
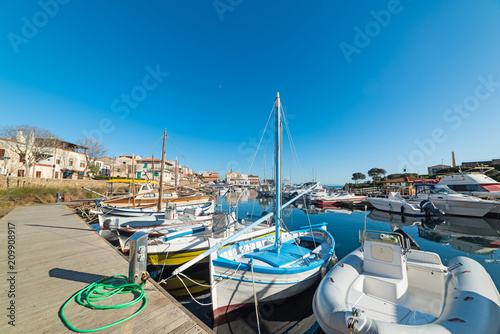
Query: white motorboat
x=395, y=203
x=270, y=268
x=451, y=202
x=338, y=198
x=387, y=287
x=317, y=194
x=473, y=182
x=295, y=190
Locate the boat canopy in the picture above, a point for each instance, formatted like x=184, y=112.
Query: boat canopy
x=491, y=187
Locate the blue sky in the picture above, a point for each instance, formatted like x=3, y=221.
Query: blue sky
x=388, y=84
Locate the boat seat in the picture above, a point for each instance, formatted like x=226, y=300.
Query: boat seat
x=383, y=310
x=425, y=260
x=288, y=253
x=384, y=270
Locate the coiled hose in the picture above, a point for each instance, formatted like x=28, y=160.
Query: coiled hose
x=103, y=289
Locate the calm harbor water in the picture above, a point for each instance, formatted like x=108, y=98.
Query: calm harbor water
x=450, y=237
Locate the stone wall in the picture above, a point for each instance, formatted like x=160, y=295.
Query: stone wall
x=12, y=182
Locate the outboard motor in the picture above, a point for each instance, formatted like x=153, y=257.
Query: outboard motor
x=429, y=208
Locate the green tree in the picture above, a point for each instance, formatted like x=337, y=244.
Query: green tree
x=94, y=168
x=358, y=176
x=375, y=173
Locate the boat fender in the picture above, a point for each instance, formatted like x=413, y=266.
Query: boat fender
x=402, y=209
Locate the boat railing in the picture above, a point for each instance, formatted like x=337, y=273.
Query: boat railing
x=365, y=191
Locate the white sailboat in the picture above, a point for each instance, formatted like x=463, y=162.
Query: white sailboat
x=270, y=268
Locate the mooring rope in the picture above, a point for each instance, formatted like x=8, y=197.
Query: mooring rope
x=255, y=297
x=192, y=297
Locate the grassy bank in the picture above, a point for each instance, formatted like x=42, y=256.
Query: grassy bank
x=12, y=197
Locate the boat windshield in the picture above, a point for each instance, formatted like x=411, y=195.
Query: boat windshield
x=381, y=236
x=443, y=190
x=434, y=189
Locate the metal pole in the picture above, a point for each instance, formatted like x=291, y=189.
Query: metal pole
x=277, y=161
x=133, y=180
x=162, y=168
x=153, y=167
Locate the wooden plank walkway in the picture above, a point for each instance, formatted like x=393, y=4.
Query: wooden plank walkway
x=57, y=254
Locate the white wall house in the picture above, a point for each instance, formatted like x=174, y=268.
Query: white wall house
x=149, y=169
x=10, y=161
x=58, y=159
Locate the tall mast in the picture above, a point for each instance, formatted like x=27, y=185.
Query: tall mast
x=175, y=174
x=160, y=190
x=133, y=180
x=277, y=167
x=153, y=168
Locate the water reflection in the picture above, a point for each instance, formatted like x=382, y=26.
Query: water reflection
x=469, y=235
x=466, y=234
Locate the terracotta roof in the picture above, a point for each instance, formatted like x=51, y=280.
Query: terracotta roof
x=406, y=179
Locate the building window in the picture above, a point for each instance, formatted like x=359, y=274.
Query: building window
x=82, y=164
x=118, y=170
x=56, y=175
x=58, y=161
x=2, y=153
x=21, y=157
x=38, y=174
x=70, y=163
x=20, y=172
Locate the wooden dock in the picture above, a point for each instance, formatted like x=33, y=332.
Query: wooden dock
x=56, y=254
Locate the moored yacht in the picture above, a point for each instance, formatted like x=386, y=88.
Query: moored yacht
x=472, y=183
x=451, y=202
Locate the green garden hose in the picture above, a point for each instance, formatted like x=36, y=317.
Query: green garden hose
x=103, y=289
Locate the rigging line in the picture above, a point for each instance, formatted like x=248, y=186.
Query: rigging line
x=265, y=150
x=294, y=153
x=182, y=155
x=308, y=219
x=167, y=251
x=260, y=141
x=296, y=156
x=145, y=155
x=294, y=150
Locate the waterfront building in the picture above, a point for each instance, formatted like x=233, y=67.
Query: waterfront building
x=209, y=176
x=433, y=169
x=25, y=155
x=150, y=169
